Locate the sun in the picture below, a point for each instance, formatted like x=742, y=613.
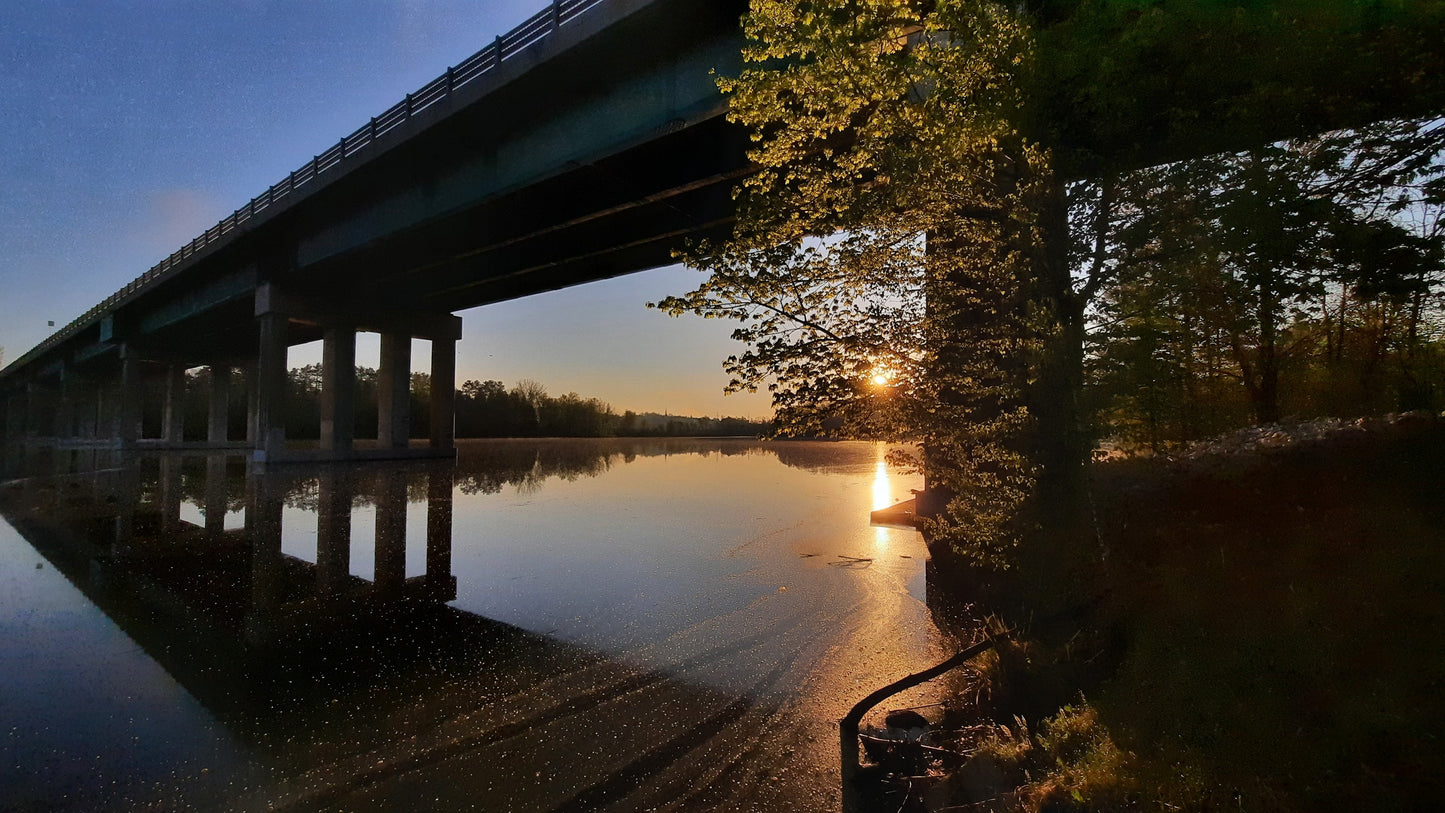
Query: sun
x=881, y=379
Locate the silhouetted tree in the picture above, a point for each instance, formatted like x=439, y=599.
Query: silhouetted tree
x=1300, y=277
x=910, y=215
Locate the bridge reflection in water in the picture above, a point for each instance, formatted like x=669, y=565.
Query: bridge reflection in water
x=126, y=519
x=344, y=679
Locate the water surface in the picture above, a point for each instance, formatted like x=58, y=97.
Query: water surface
x=543, y=625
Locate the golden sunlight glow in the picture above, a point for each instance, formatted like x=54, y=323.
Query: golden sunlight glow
x=882, y=496
x=880, y=379
x=882, y=493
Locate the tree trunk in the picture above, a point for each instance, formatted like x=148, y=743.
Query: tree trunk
x=1003, y=446
x=1060, y=445
x=1266, y=394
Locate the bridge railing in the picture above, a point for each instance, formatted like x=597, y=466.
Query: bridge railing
x=533, y=30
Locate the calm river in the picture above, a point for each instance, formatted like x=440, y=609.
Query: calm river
x=546, y=625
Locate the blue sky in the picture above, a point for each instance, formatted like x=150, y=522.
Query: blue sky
x=128, y=128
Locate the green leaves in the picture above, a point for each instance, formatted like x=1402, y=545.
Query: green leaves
x=909, y=212
x=892, y=230
x=1255, y=268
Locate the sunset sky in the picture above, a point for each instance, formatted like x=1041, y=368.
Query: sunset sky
x=128, y=128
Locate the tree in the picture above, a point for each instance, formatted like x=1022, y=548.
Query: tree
x=302, y=413
x=902, y=259
x=1294, y=272
x=479, y=390
x=420, y=404
x=529, y=396
x=573, y=416
x=627, y=426
x=487, y=409
x=903, y=235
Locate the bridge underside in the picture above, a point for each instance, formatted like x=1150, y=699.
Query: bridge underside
x=596, y=152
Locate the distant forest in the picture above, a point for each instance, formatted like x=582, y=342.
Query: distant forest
x=1291, y=281
x=484, y=409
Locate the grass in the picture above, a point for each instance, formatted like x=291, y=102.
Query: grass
x=1269, y=634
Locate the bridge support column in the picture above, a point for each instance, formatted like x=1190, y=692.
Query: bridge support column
x=333, y=531
x=65, y=406
x=101, y=411
x=34, y=410
x=218, y=405
x=112, y=408
x=393, y=392
x=338, y=390
x=79, y=407
x=248, y=377
x=105, y=405
x=128, y=414
x=14, y=407
x=102, y=403
x=7, y=417
x=173, y=416
x=443, y=393
x=270, y=387
x=85, y=409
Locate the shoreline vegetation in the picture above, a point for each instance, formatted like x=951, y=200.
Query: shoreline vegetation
x=1262, y=632
x=1002, y=231
x=484, y=409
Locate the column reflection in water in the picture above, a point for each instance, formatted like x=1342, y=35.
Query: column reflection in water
x=390, y=569
x=441, y=584
x=294, y=599
x=216, y=502
x=333, y=531
x=265, y=499
x=254, y=635
x=169, y=497
x=127, y=493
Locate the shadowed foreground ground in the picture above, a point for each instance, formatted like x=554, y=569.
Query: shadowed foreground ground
x=1267, y=635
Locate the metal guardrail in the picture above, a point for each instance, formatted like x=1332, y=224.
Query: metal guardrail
x=848, y=726
x=531, y=31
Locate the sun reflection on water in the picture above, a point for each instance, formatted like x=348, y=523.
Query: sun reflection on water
x=882, y=492
x=882, y=495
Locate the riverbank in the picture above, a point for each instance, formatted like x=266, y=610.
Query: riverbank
x=1265, y=633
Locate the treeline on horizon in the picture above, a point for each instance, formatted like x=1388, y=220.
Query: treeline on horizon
x=484, y=409
x=488, y=409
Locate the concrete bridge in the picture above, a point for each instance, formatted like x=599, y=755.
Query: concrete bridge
x=587, y=143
